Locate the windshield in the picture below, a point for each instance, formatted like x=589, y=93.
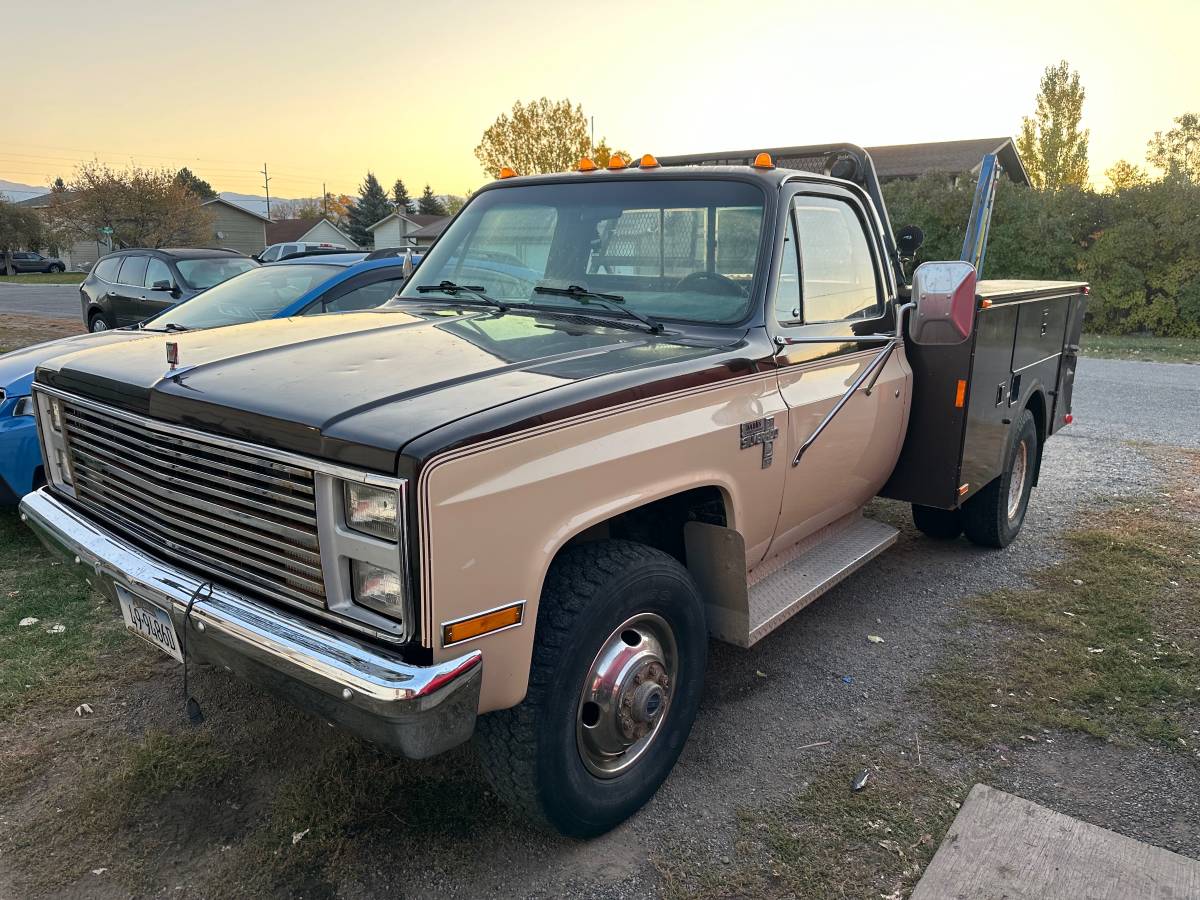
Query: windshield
x=202, y=274
x=257, y=294
x=683, y=249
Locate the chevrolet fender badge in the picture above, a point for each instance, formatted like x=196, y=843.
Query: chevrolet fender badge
x=760, y=431
x=172, y=354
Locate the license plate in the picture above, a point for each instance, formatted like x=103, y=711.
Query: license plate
x=149, y=622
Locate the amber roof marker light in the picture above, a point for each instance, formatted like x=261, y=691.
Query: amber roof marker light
x=617, y=161
x=764, y=161
x=506, y=172
x=648, y=162
x=586, y=165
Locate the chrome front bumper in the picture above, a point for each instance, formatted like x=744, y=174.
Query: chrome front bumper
x=417, y=710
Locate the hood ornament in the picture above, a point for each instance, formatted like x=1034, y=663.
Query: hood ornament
x=173, y=354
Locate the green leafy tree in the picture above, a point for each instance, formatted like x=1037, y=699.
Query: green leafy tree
x=1123, y=175
x=1052, y=145
x=1178, y=150
x=537, y=137
x=400, y=198
x=372, y=205
x=430, y=204
x=20, y=229
x=454, y=203
x=58, y=186
x=195, y=184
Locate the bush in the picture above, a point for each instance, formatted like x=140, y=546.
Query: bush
x=1139, y=248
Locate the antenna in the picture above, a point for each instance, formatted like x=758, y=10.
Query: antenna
x=267, y=188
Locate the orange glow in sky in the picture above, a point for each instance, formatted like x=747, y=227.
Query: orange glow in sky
x=322, y=91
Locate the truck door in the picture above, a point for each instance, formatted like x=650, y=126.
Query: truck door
x=835, y=325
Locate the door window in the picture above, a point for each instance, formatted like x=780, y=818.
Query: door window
x=787, y=291
x=158, y=270
x=365, y=296
x=271, y=254
x=133, y=271
x=837, y=269
x=289, y=248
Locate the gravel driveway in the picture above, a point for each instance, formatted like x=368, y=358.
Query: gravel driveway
x=57, y=301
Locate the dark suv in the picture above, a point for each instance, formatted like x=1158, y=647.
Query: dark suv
x=128, y=286
x=25, y=261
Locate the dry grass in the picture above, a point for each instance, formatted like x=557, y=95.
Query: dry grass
x=17, y=331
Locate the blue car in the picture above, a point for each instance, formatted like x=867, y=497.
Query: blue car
x=307, y=285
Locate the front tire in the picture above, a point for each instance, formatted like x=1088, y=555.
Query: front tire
x=994, y=516
x=97, y=323
x=55, y=269
x=614, y=685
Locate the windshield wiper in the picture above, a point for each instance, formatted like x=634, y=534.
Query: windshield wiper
x=609, y=301
x=449, y=287
x=167, y=326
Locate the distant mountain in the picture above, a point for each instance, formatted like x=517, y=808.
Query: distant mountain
x=15, y=192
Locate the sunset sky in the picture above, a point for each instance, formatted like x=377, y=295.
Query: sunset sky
x=324, y=91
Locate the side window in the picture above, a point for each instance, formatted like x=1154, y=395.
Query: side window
x=106, y=269
x=270, y=255
x=133, y=271
x=365, y=296
x=837, y=270
x=157, y=270
x=289, y=248
x=787, y=292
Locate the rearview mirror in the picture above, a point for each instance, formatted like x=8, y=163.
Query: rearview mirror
x=944, y=294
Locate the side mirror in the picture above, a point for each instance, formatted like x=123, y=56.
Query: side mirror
x=944, y=294
x=163, y=285
x=909, y=241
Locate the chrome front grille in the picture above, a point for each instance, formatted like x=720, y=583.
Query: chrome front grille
x=239, y=517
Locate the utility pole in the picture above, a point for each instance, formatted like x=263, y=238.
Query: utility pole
x=267, y=188
x=592, y=139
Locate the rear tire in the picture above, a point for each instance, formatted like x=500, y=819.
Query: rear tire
x=614, y=685
x=942, y=524
x=54, y=269
x=994, y=516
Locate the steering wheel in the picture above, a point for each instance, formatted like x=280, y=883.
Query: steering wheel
x=710, y=283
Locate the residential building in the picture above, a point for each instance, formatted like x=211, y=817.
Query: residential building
x=397, y=230
x=236, y=228
x=312, y=231
x=952, y=158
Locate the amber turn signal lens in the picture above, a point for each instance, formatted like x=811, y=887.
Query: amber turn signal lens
x=764, y=161
x=616, y=161
x=506, y=172
x=648, y=161
x=985, y=303
x=484, y=623
x=960, y=393
x=586, y=165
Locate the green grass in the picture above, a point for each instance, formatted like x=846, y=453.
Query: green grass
x=1144, y=347
x=37, y=665
x=1115, y=656
x=44, y=278
x=825, y=841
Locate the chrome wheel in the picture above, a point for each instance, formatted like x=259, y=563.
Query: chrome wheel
x=1016, y=483
x=98, y=324
x=627, y=694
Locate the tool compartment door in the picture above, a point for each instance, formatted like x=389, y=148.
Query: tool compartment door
x=1070, y=361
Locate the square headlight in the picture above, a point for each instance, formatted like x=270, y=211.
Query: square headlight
x=377, y=588
x=372, y=510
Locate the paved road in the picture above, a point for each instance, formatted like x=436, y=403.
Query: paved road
x=58, y=301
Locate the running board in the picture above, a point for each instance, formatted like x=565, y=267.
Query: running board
x=743, y=611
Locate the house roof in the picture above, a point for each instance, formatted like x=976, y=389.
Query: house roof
x=954, y=157
x=433, y=229
x=240, y=209
x=283, y=230
x=418, y=219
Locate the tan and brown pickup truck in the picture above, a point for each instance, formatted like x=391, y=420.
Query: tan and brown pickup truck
x=613, y=412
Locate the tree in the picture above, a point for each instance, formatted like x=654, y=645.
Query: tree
x=59, y=186
x=1178, y=151
x=308, y=208
x=1123, y=175
x=19, y=228
x=602, y=154
x=539, y=136
x=143, y=207
x=371, y=206
x=430, y=204
x=454, y=203
x=400, y=197
x=1051, y=144
x=195, y=184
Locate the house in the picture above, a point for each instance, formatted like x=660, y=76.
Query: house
x=427, y=234
x=311, y=231
x=236, y=228
x=953, y=158
x=397, y=229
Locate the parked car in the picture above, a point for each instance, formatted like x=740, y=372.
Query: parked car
x=290, y=248
x=304, y=286
x=25, y=261
x=610, y=415
x=129, y=286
